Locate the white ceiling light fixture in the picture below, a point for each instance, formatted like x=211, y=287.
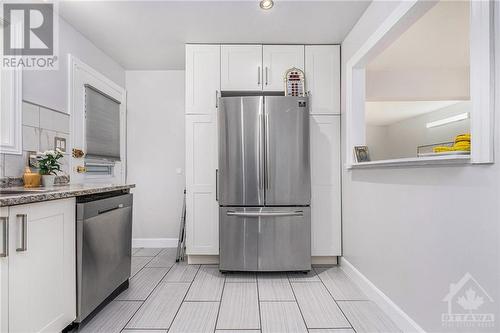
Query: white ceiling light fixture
x=448, y=120
x=266, y=4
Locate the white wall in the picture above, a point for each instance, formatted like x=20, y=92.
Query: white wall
x=155, y=147
x=49, y=88
x=418, y=85
x=413, y=231
x=401, y=139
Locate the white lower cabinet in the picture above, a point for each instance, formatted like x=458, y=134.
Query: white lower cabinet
x=325, y=186
x=202, y=214
x=38, y=276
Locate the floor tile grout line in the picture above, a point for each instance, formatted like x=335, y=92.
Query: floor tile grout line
x=143, y=266
x=258, y=301
x=324, y=285
x=298, y=305
x=184, y=298
x=156, y=286
x=220, y=302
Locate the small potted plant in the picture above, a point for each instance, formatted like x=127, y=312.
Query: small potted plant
x=48, y=163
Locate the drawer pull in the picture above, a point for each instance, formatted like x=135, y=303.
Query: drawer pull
x=24, y=233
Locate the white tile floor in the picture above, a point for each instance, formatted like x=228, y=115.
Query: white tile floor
x=165, y=296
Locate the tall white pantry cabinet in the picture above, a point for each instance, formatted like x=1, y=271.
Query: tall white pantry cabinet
x=211, y=68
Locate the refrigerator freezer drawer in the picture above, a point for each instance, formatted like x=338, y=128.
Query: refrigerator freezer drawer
x=265, y=238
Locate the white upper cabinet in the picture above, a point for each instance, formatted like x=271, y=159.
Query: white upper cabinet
x=323, y=78
x=277, y=59
x=202, y=78
x=241, y=67
x=10, y=111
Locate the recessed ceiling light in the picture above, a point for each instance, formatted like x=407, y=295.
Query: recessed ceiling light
x=266, y=4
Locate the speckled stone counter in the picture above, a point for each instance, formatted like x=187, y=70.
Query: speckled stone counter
x=56, y=192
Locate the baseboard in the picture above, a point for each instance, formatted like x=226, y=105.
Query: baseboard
x=203, y=259
x=376, y=295
x=214, y=259
x=154, y=242
x=324, y=260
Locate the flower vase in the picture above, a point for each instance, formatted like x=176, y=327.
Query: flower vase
x=48, y=180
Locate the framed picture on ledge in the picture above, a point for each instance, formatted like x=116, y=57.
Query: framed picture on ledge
x=361, y=154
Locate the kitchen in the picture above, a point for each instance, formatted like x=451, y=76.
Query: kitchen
x=285, y=229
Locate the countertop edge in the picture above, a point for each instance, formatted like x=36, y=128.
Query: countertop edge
x=60, y=194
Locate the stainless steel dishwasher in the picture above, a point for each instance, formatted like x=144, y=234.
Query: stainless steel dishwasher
x=104, y=246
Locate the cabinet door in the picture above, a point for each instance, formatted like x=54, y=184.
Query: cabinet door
x=42, y=265
x=323, y=78
x=277, y=60
x=325, y=186
x=4, y=270
x=202, y=222
x=241, y=67
x=202, y=78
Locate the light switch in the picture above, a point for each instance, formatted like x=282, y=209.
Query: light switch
x=60, y=143
x=178, y=171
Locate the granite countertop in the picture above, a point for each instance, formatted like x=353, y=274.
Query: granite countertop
x=56, y=192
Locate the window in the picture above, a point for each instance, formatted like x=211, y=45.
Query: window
x=417, y=100
x=421, y=83
x=102, y=125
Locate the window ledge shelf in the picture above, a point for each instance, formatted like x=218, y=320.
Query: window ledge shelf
x=413, y=161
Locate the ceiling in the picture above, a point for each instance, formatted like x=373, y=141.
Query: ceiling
x=439, y=39
x=150, y=35
x=386, y=113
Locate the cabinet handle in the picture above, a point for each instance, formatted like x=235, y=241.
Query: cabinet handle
x=266, y=76
x=258, y=76
x=216, y=184
x=5, y=222
x=24, y=233
x=216, y=99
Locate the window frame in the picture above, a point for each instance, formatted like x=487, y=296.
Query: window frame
x=482, y=86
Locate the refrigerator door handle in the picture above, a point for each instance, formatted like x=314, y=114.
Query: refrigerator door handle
x=265, y=214
x=267, y=157
x=261, y=149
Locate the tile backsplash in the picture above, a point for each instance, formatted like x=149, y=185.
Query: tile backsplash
x=40, y=127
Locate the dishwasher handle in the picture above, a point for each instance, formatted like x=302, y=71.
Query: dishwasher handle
x=104, y=211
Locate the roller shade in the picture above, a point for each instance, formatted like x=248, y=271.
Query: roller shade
x=102, y=125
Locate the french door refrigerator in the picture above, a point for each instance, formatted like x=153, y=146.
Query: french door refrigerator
x=264, y=184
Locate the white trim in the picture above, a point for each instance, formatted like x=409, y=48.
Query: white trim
x=482, y=87
x=80, y=74
x=400, y=318
x=412, y=161
x=155, y=242
x=482, y=78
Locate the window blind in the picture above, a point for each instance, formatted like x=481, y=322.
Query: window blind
x=102, y=125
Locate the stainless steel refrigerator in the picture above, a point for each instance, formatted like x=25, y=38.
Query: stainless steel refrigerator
x=264, y=184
